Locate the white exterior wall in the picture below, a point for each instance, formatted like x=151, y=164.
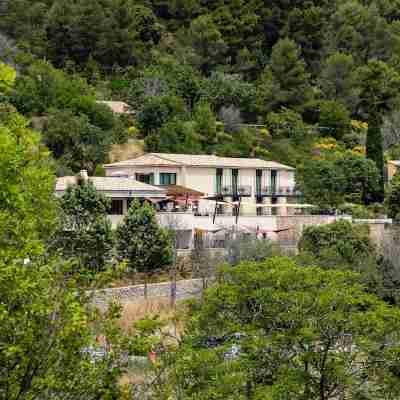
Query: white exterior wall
x=131, y=171
x=247, y=177
x=204, y=179
x=286, y=178
x=201, y=179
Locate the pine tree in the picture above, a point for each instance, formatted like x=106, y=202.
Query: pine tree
x=141, y=241
x=284, y=82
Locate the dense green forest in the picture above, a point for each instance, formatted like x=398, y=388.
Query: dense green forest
x=294, y=81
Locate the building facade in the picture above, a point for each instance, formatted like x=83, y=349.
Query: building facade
x=121, y=192
x=263, y=187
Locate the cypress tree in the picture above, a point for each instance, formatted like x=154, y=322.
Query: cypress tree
x=374, y=150
x=378, y=85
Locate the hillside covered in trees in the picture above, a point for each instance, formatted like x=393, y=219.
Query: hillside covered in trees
x=307, y=83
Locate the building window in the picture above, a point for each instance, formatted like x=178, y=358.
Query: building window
x=145, y=178
x=116, y=207
x=219, y=175
x=235, y=181
x=258, y=181
x=167, y=178
x=274, y=180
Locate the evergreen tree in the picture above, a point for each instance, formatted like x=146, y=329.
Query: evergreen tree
x=207, y=43
x=85, y=232
x=284, y=82
x=379, y=85
x=141, y=241
x=338, y=80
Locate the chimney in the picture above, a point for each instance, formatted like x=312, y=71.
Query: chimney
x=84, y=175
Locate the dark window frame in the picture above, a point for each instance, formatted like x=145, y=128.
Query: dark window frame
x=117, y=207
x=168, y=181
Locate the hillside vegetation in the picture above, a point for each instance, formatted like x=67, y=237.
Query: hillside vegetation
x=291, y=81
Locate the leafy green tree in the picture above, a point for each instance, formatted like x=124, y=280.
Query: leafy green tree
x=361, y=29
x=7, y=77
x=393, y=198
x=306, y=26
x=319, y=180
x=334, y=119
x=75, y=142
x=332, y=182
x=47, y=338
x=338, y=80
x=285, y=83
x=111, y=32
x=175, y=137
x=141, y=241
x=274, y=330
x=159, y=110
x=379, y=85
x=84, y=233
x=167, y=77
x=26, y=188
x=206, y=125
x=349, y=244
x=43, y=87
x=246, y=248
x=207, y=43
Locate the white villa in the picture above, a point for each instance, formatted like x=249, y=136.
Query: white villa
x=121, y=191
x=264, y=187
x=206, y=195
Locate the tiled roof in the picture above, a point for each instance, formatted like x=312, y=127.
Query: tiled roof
x=163, y=159
x=109, y=184
x=149, y=159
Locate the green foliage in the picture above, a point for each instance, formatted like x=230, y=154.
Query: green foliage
x=77, y=130
x=141, y=242
x=159, y=110
x=175, y=136
x=207, y=43
x=43, y=87
x=334, y=119
x=7, y=77
x=285, y=82
x=393, y=198
x=338, y=80
x=46, y=332
x=75, y=141
x=379, y=85
x=222, y=90
x=349, y=243
x=26, y=187
x=168, y=77
x=302, y=331
x=247, y=248
x=84, y=233
x=345, y=178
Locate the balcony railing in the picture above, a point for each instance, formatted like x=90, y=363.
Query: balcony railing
x=229, y=190
x=280, y=191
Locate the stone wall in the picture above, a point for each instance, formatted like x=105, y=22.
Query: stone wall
x=185, y=289
x=292, y=226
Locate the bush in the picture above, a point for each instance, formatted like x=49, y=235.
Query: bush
x=247, y=248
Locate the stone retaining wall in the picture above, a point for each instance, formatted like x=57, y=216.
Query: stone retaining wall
x=185, y=289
